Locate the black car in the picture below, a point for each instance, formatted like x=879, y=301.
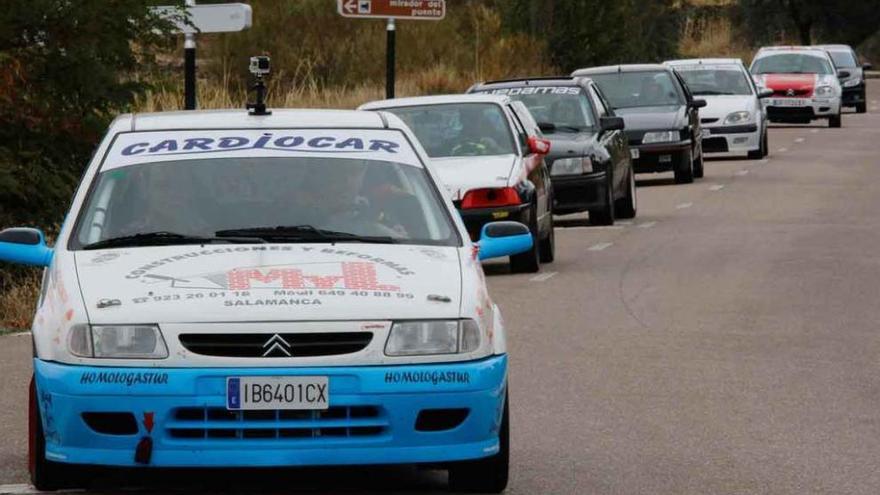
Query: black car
x=846, y=60
x=662, y=117
x=590, y=165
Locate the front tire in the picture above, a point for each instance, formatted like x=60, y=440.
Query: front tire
x=698, y=167
x=684, y=172
x=488, y=475
x=605, y=215
x=835, y=121
x=861, y=107
x=45, y=475
x=547, y=250
x=626, y=206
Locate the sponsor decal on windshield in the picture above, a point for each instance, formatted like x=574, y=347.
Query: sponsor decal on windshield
x=141, y=147
x=534, y=90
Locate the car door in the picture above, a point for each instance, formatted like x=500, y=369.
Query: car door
x=538, y=173
x=693, y=116
x=613, y=141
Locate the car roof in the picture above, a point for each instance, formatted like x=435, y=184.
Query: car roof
x=706, y=61
x=835, y=48
x=527, y=81
x=607, y=69
x=435, y=100
x=806, y=50
x=241, y=119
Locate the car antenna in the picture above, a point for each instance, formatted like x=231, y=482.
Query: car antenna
x=259, y=67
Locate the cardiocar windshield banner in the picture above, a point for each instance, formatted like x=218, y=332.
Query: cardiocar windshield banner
x=143, y=147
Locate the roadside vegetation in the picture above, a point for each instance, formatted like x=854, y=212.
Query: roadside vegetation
x=67, y=67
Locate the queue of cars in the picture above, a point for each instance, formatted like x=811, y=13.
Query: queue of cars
x=303, y=287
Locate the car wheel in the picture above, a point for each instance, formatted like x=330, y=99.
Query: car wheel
x=528, y=262
x=605, y=215
x=684, y=172
x=626, y=206
x=765, y=144
x=548, y=245
x=835, y=121
x=861, y=107
x=698, y=167
x=45, y=475
x=487, y=475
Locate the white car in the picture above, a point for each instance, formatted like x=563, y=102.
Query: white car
x=804, y=82
x=733, y=119
x=489, y=152
x=231, y=290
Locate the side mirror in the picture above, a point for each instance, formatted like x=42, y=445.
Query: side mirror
x=698, y=103
x=765, y=93
x=843, y=74
x=867, y=66
x=538, y=145
x=612, y=123
x=24, y=246
x=499, y=239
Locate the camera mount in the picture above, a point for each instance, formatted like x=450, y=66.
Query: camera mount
x=259, y=67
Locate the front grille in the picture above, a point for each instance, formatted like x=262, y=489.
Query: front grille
x=275, y=345
x=217, y=423
x=793, y=92
x=795, y=113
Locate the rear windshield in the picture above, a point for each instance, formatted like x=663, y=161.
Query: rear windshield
x=792, y=63
x=707, y=81
x=639, y=89
x=459, y=129
x=844, y=59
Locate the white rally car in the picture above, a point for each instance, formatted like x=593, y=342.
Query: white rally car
x=231, y=290
x=804, y=82
x=489, y=152
x=733, y=120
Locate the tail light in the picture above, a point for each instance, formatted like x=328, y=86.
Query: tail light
x=490, y=198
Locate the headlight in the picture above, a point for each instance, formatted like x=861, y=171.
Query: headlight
x=117, y=341
x=738, y=118
x=824, y=91
x=852, y=82
x=572, y=166
x=660, y=137
x=416, y=338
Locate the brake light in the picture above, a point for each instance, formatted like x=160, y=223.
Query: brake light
x=490, y=198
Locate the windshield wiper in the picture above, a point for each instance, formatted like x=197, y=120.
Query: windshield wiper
x=550, y=128
x=167, y=238
x=302, y=233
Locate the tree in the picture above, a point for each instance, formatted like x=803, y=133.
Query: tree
x=809, y=21
x=66, y=68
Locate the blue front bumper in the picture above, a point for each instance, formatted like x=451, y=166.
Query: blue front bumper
x=371, y=420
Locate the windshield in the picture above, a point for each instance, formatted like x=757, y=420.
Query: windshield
x=704, y=80
x=638, y=89
x=791, y=63
x=204, y=197
x=844, y=59
x=459, y=129
x=567, y=108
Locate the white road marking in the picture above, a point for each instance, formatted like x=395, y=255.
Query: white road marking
x=782, y=150
x=600, y=246
x=647, y=225
x=716, y=187
x=814, y=131
x=560, y=228
x=683, y=206
x=741, y=172
x=764, y=161
x=799, y=140
x=543, y=277
x=624, y=222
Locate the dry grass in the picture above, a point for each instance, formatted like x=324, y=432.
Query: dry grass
x=713, y=38
x=17, y=303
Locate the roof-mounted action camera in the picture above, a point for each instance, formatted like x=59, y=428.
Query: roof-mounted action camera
x=259, y=67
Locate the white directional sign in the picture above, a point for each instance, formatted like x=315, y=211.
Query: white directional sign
x=210, y=18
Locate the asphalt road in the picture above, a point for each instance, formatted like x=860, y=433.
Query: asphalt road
x=724, y=342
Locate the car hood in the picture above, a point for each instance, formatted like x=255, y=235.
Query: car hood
x=649, y=118
x=460, y=174
x=271, y=282
x=784, y=82
x=569, y=144
x=720, y=106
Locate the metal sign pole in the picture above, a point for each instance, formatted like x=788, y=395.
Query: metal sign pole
x=189, y=67
x=389, y=61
